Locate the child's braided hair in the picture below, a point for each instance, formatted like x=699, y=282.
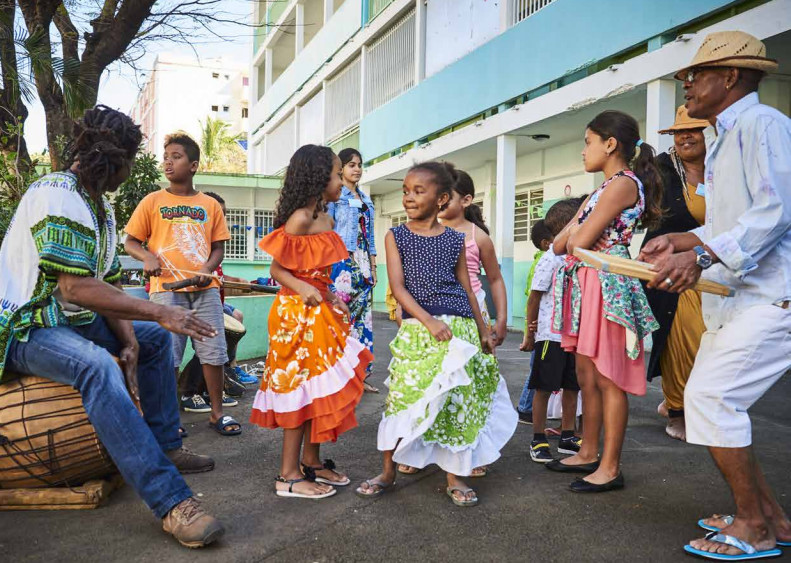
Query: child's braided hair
x=307, y=176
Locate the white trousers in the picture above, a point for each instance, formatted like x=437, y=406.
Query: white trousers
x=737, y=363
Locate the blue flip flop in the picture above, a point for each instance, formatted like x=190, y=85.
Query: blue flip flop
x=749, y=554
x=728, y=519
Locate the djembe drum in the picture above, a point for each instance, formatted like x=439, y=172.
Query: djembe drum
x=46, y=439
x=234, y=331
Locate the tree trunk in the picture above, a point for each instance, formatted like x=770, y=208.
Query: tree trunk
x=13, y=112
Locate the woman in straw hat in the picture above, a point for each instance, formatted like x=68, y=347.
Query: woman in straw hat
x=680, y=319
x=745, y=243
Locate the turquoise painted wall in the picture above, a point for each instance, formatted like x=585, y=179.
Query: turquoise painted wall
x=245, y=269
x=527, y=56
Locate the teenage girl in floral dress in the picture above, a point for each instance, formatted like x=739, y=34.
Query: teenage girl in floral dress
x=601, y=316
x=314, y=371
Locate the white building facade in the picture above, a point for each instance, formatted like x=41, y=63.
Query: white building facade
x=501, y=89
x=181, y=93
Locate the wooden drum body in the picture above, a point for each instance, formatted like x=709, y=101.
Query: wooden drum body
x=46, y=438
x=234, y=331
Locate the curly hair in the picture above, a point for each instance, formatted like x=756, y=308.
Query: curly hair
x=105, y=140
x=307, y=176
x=444, y=175
x=191, y=148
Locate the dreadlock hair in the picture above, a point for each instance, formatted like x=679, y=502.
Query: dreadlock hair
x=307, y=176
x=641, y=159
x=464, y=186
x=540, y=232
x=105, y=140
x=444, y=175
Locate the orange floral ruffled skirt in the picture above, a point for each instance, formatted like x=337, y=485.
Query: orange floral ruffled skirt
x=314, y=371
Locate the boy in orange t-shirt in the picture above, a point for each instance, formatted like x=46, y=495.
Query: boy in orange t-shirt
x=185, y=232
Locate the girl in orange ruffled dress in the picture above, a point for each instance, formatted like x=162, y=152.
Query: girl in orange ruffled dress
x=314, y=371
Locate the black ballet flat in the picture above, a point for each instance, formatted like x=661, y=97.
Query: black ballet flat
x=583, y=486
x=585, y=468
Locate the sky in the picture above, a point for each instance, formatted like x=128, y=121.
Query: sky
x=120, y=84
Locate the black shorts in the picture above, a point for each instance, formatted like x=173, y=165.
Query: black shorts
x=553, y=369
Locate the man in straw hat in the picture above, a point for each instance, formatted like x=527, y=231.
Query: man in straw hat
x=746, y=244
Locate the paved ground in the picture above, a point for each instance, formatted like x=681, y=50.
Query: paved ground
x=526, y=513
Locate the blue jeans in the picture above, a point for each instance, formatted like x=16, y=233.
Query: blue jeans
x=526, y=400
x=81, y=357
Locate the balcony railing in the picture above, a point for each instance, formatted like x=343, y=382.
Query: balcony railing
x=390, y=70
x=375, y=7
x=523, y=9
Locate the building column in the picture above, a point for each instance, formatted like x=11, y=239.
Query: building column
x=323, y=95
x=660, y=112
x=505, y=195
x=363, y=81
x=329, y=6
x=506, y=12
x=268, y=69
x=299, y=32
x=297, y=116
x=420, y=41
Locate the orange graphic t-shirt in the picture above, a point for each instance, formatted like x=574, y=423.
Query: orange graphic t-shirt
x=179, y=230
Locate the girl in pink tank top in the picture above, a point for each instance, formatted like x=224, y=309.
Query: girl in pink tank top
x=461, y=214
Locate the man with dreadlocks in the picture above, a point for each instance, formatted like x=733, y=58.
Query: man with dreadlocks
x=63, y=316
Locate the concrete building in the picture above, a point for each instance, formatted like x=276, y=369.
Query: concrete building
x=502, y=89
x=181, y=92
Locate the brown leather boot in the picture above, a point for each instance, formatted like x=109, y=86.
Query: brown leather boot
x=191, y=525
x=189, y=462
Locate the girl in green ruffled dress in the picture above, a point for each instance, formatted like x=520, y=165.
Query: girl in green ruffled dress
x=447, y=403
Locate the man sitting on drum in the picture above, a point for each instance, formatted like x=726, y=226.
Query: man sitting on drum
x=58, y=269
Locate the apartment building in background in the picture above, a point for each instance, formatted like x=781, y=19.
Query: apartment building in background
x=181, y=92
x=503, y=89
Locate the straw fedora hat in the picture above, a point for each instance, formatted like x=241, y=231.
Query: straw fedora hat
x=731, y=49
x=684, y=122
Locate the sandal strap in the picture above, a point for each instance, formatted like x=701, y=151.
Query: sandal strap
x=731, y=541
x=291, y=482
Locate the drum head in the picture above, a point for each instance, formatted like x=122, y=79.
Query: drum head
x=232, y=325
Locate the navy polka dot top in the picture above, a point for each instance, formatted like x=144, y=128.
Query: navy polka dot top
x=430, y=271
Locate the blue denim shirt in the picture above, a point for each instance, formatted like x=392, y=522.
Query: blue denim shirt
x=748, y=207
x=347, y=219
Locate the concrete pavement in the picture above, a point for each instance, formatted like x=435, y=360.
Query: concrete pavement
x=526, y=513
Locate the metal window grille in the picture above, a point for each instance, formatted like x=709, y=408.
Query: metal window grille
x=264, y=222
x=343, y=100
x=523, y=9
x=238, y=221
x=528, y=208
x=390, y=67
x=280, y=146
x=396, y=220
x=375, y=7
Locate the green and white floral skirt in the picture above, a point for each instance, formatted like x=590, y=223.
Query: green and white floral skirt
x=447, y=402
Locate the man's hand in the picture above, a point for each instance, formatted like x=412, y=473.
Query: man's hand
x=184, y=321
x=678, y=273
x=203, y=281
x=127, y=358
x=657, y=250
x=151, y=266
x=528, y=342
x=500, y=331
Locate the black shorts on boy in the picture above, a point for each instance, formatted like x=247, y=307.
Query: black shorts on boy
x=553, y=369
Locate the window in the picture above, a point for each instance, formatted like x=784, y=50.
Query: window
x=215, y=74
x=215, y=108
x=528, y=208
x=264, y=222
x=225, y=109
x=245, y=113
x=245, y=81
x=396, y=220
x=236, y=247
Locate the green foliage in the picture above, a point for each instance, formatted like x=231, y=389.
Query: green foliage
x=141, y=182
x=219, y=150
x=15, y=176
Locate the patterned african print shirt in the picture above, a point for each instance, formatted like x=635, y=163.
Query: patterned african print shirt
x=55, y=230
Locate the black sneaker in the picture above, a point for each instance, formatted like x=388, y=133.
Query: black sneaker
x=539, y=452
x=194, y=404
x=233, y=387
x=525, y=417
x=226, y=400
x=569, y=446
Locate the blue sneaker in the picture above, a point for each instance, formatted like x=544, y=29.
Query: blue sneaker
x=243, y=377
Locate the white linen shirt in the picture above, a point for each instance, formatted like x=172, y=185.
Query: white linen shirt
x=543, y=279
x=748, y=209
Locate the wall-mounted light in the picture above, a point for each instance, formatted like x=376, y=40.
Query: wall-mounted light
x=613, y=68
x=540, y=137
x=684, y=37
